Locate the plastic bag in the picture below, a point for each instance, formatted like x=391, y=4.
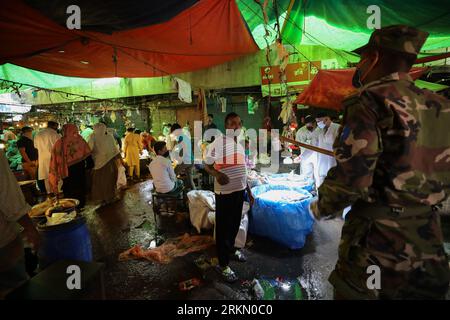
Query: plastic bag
x=241, y=237
x=285, y=222
x=170, y=249
x=277, y=289
x=60, y=218
x=292, y=180
x=201, y=202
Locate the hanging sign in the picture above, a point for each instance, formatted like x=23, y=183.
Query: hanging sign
x=297, y=76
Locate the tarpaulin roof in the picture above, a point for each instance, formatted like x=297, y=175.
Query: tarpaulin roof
x=37, y=78
x=330, y=87
x=206, y=33
x=343, y=24
x=117, y=15
x=154, y=38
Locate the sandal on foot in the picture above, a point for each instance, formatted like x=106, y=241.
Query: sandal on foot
x=239, y=256
x=227, y=274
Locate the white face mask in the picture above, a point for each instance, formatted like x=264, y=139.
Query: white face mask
x=321, y=124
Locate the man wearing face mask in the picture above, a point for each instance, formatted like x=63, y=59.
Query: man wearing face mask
x=225, y=161
x=307, y=135
x=164, y=177
x=327, y=131
x=393, y=168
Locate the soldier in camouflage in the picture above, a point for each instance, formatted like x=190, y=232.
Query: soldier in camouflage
x=393, y=167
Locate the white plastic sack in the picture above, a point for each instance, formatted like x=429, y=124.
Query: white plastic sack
x=201, y=202
x=241, y=237
x=245, y=208
x=121, y=178
x=212, y=220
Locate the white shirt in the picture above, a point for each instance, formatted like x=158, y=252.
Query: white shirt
x=326, y=137
x=103, y=146
x=44, y=142
x=12, y=204
x=308, y=137
x=325, y=141
x=229, y=158
x=164, y=176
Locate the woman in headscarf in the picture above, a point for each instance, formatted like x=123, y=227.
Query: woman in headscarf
x=71, y=157
x=106, y=154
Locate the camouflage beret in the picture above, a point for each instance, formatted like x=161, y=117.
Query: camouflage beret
x=399, y=38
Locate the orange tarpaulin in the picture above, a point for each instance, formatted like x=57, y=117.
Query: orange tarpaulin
x=330, y=87
x=209, y=32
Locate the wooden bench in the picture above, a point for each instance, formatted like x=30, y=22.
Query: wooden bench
x=51, y=283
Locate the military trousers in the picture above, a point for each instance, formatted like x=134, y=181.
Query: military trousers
x=391, y=254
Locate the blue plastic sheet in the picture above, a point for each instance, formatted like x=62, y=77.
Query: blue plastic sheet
x=287, y=223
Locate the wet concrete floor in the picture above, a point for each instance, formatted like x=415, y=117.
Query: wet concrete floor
x=130, y=221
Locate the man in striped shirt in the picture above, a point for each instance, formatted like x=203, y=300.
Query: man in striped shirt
x=225, y=161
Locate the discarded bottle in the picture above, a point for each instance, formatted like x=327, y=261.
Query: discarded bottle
x=265, y=289
x=257, y=288
x=189, y=284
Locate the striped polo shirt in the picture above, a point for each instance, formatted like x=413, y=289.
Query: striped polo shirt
x=229, y=158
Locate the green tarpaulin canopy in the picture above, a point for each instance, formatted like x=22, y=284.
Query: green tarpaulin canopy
x=343, y=24
x=36, y=78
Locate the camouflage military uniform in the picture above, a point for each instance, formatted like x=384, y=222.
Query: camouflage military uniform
x=393, y=165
